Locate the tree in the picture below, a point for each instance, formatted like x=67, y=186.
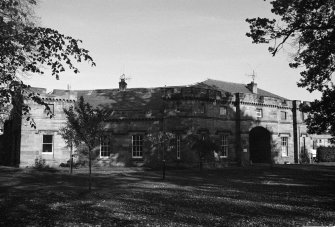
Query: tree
x=309, y=27
x=204, y=147
x=69, y=136
x=159, y=141
x=87, y=125
x=27, y=49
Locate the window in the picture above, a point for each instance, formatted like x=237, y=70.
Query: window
x=137, y=146
x=224, y=146
x=223, y=111
x=259, y=113
x=283, y=115
x=105, y=147
x=284, y=146
x=47, y=146
x=202, y=108
x=178, y=146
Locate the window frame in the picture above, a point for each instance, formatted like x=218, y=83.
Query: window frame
x=202, y=108
x=283, y=115
x=103, y=145
x=45, y=143
x=178, y=140
x=137, y=142
x=224, y=145
x=284, y=146
x=223, y=110
x=259, y=113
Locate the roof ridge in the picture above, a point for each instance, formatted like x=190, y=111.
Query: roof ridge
x=225, y=81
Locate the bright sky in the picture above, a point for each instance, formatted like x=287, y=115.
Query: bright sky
x=167, y=42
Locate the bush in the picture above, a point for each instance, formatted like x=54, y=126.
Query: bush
x=304, y=157
x=325, y=154
x=40, y=163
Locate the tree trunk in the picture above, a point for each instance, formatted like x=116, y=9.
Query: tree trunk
x=200, y=161
x=71, y=160
x=90, y=169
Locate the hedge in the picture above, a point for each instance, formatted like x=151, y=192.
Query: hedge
x=325, y=154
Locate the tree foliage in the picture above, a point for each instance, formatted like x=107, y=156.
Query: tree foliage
x=204, y=146
x=85, y=125
x=308, y=26
x=27, y=49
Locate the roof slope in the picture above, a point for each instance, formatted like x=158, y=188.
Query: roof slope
x=236, y=88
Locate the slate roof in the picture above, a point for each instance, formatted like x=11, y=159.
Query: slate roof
x=144, y=99
x=236, y=88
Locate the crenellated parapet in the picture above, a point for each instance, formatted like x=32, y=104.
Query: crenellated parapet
x=195, y=93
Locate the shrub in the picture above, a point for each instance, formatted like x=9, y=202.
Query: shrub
x=304, y=157
x=325, y=154
x=40, y=163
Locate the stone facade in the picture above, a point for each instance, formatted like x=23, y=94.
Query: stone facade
x=248, y=124
x=33, y=141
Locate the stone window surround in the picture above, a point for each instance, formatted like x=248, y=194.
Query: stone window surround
x=46, y=143
x=224, y=144
x=284, y=145
x=283, y=115
x=259, y=113
x=105, y=148
x=137, y=146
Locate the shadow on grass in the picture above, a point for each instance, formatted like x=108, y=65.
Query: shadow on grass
x=236, y=196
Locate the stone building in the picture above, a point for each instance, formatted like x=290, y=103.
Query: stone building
x=248, y=124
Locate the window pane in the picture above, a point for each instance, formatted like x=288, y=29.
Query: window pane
x=47, y=138
x=137, y=146
x=284, y=146
x=224, y=145
x=283, y=115
x=105, y=146
x=223, y=110
x=47, y=148
x=178, y=146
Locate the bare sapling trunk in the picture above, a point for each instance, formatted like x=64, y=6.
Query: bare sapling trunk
x=90, y=170
x=71, y=159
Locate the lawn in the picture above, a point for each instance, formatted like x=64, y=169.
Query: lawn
x=287, y=195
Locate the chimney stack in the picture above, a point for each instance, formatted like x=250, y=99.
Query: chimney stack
x=252, y=87
x=122, y=85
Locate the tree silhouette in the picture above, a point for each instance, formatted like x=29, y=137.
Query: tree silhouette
x=309, y=27
x=87, y=126
x=27, y=49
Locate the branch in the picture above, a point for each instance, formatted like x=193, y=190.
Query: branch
x=282, y=42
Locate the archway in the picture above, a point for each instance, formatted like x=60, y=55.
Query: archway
x=259, y=145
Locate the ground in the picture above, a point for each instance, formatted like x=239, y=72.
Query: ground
x=287, y=195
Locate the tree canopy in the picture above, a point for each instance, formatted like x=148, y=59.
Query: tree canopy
x=28, y=49
x=308, y=26
x=85, y=125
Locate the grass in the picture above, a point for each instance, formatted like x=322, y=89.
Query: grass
x=287, y=195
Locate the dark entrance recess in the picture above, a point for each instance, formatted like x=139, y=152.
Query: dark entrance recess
x=259, y=145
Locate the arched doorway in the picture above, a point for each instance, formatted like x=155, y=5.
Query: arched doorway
x=259, y=145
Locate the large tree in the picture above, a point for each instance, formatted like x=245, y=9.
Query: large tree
x=29, y=49
x=308, y=27
x=86, y=125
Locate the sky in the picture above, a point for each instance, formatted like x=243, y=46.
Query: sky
x=167, y=42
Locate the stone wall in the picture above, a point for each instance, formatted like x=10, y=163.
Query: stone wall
x=32, y=138
x=182, y=111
